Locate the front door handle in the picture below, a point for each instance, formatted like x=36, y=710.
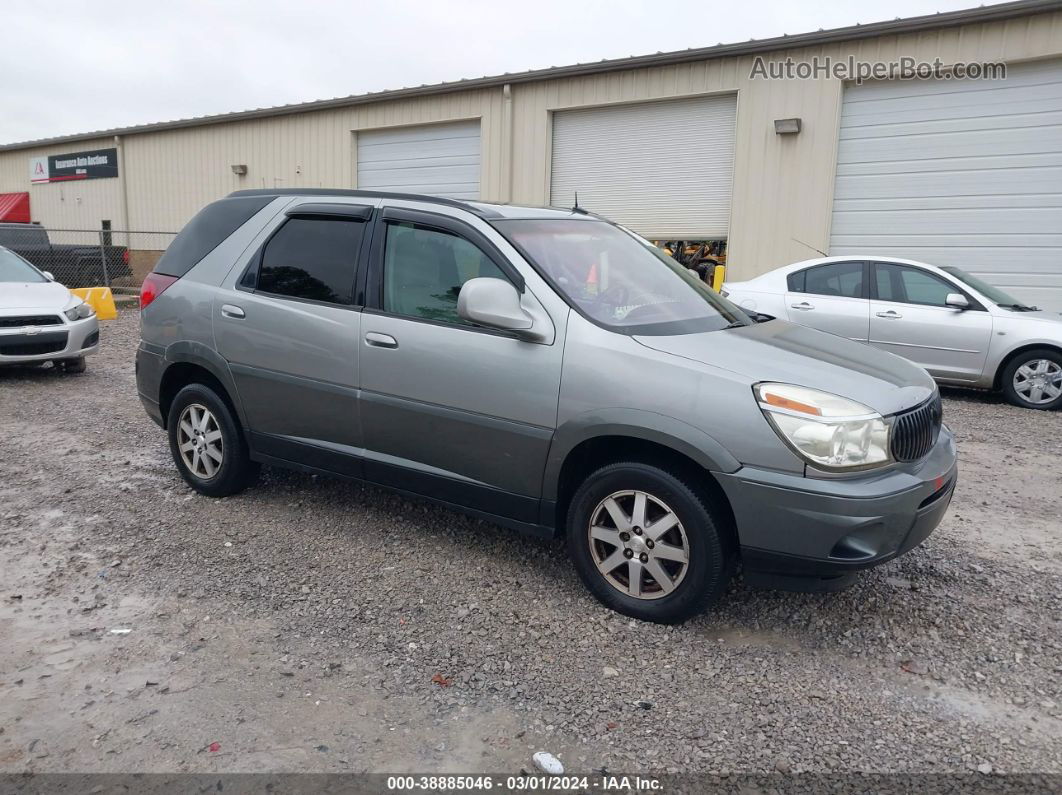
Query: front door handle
x=233, y=311
x=378, y=340
x=803, y=306
x=890, y=315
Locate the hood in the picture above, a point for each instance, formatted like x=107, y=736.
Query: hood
x=49, y=296
x=788, y=353
x=1051, y=319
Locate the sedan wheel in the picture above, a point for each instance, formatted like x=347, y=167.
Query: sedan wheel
x=1034, y=380
x=1038, y=381
x=200, y=441
x=638, y=544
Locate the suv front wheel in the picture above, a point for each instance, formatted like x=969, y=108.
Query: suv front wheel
x=207, y=446
x=646, y=544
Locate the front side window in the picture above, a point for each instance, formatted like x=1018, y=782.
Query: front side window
x=618, y=281
x=992, y=293
x=424, y=270
x=312, y=259
x=15, y=269
x=909, y=285
x=839, y=279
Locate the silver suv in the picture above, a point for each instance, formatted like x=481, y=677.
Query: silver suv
x=548, y=370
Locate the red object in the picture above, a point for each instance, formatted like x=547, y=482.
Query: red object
x=154, y=285
x=15, y=207
x=442, y=681
x=125, y=257
x=591, y=278
x=215, y=746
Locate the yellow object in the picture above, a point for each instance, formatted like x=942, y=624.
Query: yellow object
x=718, y=274
x=101, y=299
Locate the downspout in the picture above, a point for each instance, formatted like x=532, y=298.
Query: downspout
x=507, y=144
x=123, y=197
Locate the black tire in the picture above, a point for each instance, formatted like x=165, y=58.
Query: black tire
x=236, y=471
x=1011, y=393
x=710, y=551
x=73, y=365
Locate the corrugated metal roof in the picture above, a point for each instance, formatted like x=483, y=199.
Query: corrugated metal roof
x=907, y=25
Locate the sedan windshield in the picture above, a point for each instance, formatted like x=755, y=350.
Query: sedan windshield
x=15, y=269
x=619, y=280
x=993, y=294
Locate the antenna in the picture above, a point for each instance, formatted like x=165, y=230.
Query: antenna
x=805, y=245
x=577, y=208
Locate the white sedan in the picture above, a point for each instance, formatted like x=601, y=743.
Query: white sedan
x=42, y=321
x=963, y=331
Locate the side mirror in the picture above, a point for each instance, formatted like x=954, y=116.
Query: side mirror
x=48, y=275
x=957, y=301
x=493, y=303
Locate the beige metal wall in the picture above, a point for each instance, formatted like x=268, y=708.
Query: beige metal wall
x=63, y=205
x=782, y=184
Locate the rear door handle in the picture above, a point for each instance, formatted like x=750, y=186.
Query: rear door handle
x=890, y=315
x=233, y=311
x=803, y=306
x=378, y=340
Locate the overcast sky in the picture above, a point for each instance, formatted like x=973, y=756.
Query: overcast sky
x=71, y=67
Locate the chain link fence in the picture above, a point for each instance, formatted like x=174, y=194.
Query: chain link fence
x=119, y=259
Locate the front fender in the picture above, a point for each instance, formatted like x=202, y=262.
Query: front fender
x=634, y=423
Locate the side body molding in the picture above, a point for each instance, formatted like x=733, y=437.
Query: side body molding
x=646, y=425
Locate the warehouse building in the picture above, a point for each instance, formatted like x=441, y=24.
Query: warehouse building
x=698, y=145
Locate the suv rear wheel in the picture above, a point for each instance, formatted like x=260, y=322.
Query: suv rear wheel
x=207, y=445
x=1033, y=380
x=646, y=544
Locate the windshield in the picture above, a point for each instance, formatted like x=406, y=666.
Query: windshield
x=619, y=280
x=993, y=294
x=15, y=269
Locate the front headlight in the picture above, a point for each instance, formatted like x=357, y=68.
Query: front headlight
x=79, y=311
x=827, y=430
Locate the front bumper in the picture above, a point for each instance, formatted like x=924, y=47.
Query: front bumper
x=811, y=529
x=68, y=340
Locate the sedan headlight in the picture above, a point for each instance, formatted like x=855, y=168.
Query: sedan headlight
x=79, y=311
x=827, y=430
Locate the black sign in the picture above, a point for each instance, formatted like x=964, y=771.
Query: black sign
x=98, y=164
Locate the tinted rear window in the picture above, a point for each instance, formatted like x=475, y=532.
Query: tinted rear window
x=28, y=235
x=204, y=233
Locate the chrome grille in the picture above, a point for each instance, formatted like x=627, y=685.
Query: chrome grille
x=915, y=432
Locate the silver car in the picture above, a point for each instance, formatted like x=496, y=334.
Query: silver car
x=547, y=370
x=40, y=320
x=963, y=331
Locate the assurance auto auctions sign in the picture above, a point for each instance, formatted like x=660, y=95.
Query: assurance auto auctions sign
x=97, y=164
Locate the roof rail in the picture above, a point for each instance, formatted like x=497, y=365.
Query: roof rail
x=480, y=210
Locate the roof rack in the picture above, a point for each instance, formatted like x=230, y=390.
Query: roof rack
x=480, y=210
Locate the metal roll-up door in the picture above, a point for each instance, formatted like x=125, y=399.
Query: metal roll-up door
x=664, y=169
x=435, y=159
x=957, y=172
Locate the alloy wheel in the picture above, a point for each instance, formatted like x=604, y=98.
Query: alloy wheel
x=199, y=441
x=638, y=544
x=1038, y=381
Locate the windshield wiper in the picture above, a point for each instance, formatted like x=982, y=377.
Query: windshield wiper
x=1020, y=307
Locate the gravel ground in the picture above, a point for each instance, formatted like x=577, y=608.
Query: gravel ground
x=313, y=625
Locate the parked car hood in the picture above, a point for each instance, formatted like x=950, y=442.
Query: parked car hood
x=1042, y=315
x=793, y=354
x=33, y=295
